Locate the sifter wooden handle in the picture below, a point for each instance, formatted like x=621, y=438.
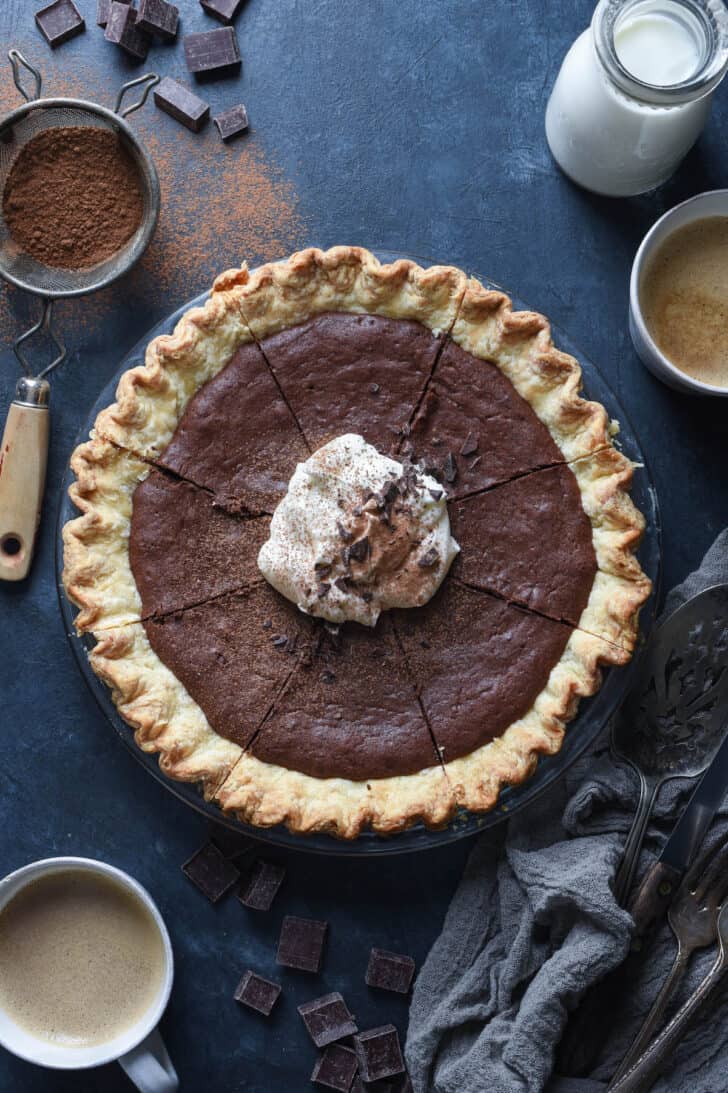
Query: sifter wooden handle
x=23, y=458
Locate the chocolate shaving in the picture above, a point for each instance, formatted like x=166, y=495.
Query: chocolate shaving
x=280, y=641
x=450, y=468
x=359, y=551
x=428, y=559
x=470, y=445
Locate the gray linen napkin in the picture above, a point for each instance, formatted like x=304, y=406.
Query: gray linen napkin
x=534, y=924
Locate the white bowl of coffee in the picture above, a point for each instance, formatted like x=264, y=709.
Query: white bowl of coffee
x=86, y=970
x=678, y=314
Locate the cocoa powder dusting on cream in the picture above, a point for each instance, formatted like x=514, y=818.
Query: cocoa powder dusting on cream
x=221, y=205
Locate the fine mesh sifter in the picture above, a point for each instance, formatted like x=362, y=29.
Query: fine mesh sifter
x=25, y=441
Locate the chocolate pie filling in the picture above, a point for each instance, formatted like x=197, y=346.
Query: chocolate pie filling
x=361, y=703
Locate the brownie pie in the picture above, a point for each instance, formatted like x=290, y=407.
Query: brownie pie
x=281, y=715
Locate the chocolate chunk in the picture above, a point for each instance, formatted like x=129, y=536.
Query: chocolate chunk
x=336, y=1068
x=378, y=1053
x=327, y=1019
x=257, y=993
x=212, y=51
x=224, y=10
x=390, y=971
x=374, y=388
x=231, y=123
x=400, y=1084
x=121, y=29
x=450, y=469
x=470, y=445
x=181, y=104
x=436, y=495
x=328, y=676
x=211, y=872
x=301, y=944
x=260, y=888
x=428, y=559
x=159, y=18
x=359, y=551
x=267, y=624
x=323, y=589
x=344, y=535
x=59, y=21
x=280, y=641
x=102, y=11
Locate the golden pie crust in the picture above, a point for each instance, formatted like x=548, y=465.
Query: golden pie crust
x=134, y=431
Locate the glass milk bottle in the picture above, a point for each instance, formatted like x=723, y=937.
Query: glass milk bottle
x=634, y=92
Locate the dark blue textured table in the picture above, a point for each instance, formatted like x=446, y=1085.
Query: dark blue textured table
x=414, y=126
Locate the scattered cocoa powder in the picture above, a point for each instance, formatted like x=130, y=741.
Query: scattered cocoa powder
x=220, y=206
x=73, y=196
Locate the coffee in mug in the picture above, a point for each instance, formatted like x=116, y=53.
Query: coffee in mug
x=81, y=958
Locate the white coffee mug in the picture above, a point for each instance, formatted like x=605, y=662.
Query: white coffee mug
x=710, y=203
x=139, y=1049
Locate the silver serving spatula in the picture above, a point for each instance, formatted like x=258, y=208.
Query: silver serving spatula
x=674, y=718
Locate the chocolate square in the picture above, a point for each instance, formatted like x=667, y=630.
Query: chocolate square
x=224, y=10
x=261, y=886
x=378, y=1053
x=211, y=872
x=390, y=971
x=159, y=18
x=121, y=29
x=301, y=944
x=257, y=993
x=181, y=104
x=335, y=1069
x=231, y=123
x=400, y=1084
x=212, y=51
x=327, y=1019
x=102, y=11
x=59, y=21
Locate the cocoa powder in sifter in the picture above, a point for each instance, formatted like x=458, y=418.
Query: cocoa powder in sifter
x=73, y=196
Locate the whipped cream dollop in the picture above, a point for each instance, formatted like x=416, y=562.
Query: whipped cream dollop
x=358, y=533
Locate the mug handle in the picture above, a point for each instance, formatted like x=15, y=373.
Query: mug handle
x=150, y=1067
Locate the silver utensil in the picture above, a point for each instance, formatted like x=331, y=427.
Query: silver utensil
x=646, y=1070
x=672, y=723
x=693, y=917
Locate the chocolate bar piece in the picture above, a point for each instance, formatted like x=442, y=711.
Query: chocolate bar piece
x=59, y=22
x=231, y=123
x=301, y=944
x=224, y=10
x=390, y=971
x=102, y=11
x=261, y=886
x=378, y=1053
x=400, y=1084
x=158, y=17
x=257, y=993
x=121, y=29
x=181, y=104
x=211, y=871
x=212, y=51
x=328, y=1019
x=335, y=1069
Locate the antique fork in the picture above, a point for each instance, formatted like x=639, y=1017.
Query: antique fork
x=646, y=1070
x=693, y=917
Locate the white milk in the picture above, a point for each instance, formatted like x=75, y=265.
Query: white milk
x=634, y=93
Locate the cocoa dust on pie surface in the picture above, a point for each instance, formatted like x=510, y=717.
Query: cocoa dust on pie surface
x=73, y=197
